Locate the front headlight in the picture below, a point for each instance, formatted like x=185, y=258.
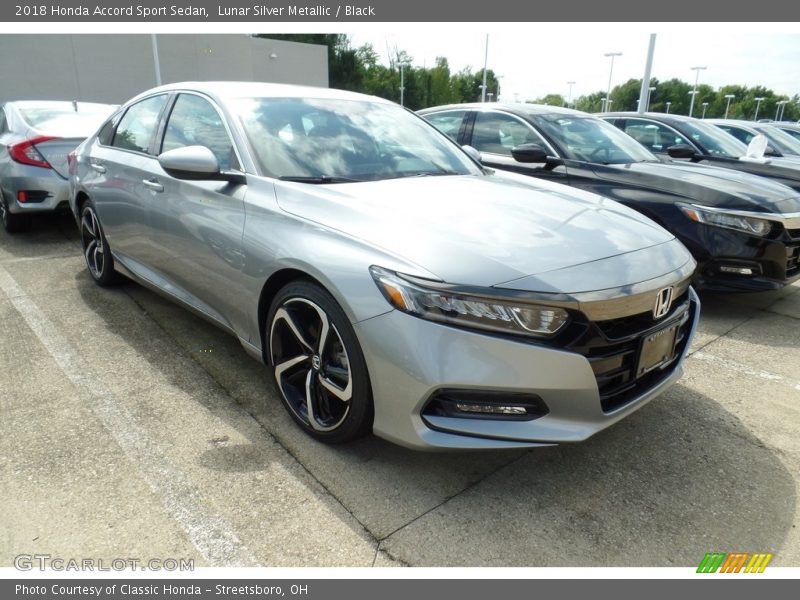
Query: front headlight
x=467, y=310
x=750, y=225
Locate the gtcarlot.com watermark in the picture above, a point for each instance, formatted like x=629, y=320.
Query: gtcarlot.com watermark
x=44, y=562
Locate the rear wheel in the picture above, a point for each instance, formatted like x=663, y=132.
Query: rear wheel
x=13, y=223
x=95, y=248
x=318, y=365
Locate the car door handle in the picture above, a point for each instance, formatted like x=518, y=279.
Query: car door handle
x=98, y=168
x=153, y=184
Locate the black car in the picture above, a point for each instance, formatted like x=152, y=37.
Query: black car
x=685, y=138
x=744, y=231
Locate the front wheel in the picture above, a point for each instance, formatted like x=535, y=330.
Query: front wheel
x=96, y=251
x=318, y=365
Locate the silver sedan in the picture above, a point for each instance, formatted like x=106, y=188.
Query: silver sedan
x=35, y=140
x=390, y=283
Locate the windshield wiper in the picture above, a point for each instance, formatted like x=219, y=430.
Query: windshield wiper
x=319, y=179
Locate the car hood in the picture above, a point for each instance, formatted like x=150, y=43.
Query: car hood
x=482, y=230
x=707, y=185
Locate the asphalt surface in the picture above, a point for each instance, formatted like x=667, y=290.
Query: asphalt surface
x=131, y=428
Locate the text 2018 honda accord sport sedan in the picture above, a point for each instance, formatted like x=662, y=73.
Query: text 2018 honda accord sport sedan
x=389, y=282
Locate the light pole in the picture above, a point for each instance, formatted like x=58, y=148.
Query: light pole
x=705, y=106
x=485, y=64
x=569, y=98
x=696, y=79
x=780, y=104
x=728, y=97
x=402, y=84
x=668, y=103
x=610, y=72
x=758, y=103
x=650, y=91
x=693, y=93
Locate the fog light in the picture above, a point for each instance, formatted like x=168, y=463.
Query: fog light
x=485, y=404
x=492, y=410
x=736, y=270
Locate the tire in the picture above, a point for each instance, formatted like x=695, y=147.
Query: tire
x=13, y=223
x=317, y=364
x=96, y=250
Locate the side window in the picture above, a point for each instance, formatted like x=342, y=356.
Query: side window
x=137, y=128
x=498, y=133
x=653, y=136
x=195, y=122
x=448, y=122
x=106, y=132
x=740, y=134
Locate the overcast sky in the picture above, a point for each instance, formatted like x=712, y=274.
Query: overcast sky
x=539, y=58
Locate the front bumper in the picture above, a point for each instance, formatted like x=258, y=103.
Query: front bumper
x=410, y=359
x=766, y=263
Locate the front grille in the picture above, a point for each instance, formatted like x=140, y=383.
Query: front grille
x=792, y=259
x=613, y=349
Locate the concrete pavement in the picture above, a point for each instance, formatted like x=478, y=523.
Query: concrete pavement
x=132, y=428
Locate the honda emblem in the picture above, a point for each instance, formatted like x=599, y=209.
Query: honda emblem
x=663, y=302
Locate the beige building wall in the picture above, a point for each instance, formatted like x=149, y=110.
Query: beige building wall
x=113, y=68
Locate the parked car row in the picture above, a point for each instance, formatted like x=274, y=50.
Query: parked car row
x=513, y=276
x=743, y=230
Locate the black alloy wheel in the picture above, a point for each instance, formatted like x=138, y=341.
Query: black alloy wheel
x=95, y=248
x=318, y=365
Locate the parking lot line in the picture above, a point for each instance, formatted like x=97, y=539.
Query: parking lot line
x=214, y=539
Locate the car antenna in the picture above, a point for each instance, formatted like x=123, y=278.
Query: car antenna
x=75, y=105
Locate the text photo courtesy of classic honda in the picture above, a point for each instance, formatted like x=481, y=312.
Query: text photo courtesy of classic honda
x=743, y=230
x=390, y=283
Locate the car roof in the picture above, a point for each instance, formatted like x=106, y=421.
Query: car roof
x=517, y=108
x=228, y=90
x=738, y=123
x=70, y=104
x=653, y=115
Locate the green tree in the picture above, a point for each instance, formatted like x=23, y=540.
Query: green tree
x=550, y=100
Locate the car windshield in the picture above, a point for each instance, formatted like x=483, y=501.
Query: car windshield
x=592, y=140
x=330, y=141
x=712, y=140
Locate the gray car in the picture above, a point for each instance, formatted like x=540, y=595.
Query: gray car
x=780, y=142
x=35, y=140
x=390, y=283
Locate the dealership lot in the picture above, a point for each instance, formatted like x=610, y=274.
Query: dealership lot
x=132, y=428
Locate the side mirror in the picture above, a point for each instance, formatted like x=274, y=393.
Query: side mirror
x=190, y=162
x=472, y=152
x=196, y=163
x=529, y=153
x=681, y=151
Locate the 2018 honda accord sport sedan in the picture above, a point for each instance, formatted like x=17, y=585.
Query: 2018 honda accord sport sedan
x=389, y=282
x=35, y=138
x=744, y=231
